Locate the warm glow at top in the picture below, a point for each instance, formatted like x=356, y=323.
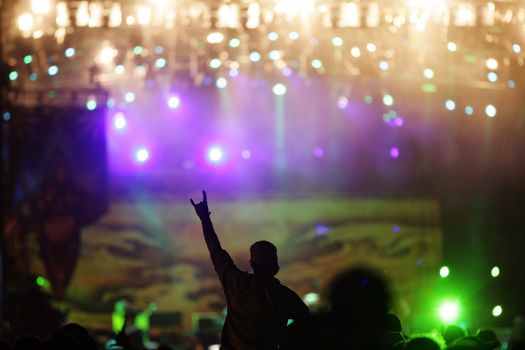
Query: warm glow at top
x=25, y=22
x=40, y=7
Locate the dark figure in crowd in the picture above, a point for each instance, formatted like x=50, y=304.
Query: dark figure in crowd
x=395, y=339
x=452, y=333
x=356, y=319
x=489, y=338
x=259, y=306
x=421, y=343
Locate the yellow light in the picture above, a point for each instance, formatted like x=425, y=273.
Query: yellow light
x=491, y=63
x=107, y=54
x=25, y=22
x=40, y=7
x=95, y=15
x=62, y=18
x=143, y=15
x=228, y=16
x=82, y=14
x=215, y=38
x=115, y=16
x=254, y=13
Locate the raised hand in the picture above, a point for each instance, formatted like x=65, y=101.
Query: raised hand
x=201, y=208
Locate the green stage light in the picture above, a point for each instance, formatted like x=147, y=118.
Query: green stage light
x=43, y=282
x=444, y=271
x=494, y=272
x=448, y=311
x=497, y=311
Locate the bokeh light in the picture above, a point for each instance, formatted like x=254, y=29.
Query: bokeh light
x=469, y=110
x=13, y=75
x=142, y=155
x=491, y=111
x=40, y=7
x=428, y=73
x=316, y=64
x=6, y=116
x=215, y=154
x=337, y=41
x=119, y=121
x=293, y=35
x=91, y=104
x=394, y=152
x=492, y=77
x=234, y=42
x=388, y=100
x=28, y=59
x=384, y=65
x=355, y=51
x=450, y=105
x=246, y=154
x=221, y=83
x=497, y=311
x=342, y=102
x=272, y=36
x=444, y=271
x=516, y=48
x=173, y=102
x=25, y=22
x=129, y=97
x=491, y=63
x=69, y=52
x=161, y=62
x=52, y=70
x=255, y=56
x=279, y=89
x=494, y=272
x=452, y=46
x=448, y=311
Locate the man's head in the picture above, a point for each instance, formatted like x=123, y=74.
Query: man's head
x=263, y=258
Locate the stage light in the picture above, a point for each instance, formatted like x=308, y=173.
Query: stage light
x=129, y=97
x=272, y=36
x=444, y=271
x=6, y=116
x=469, y=110
x=143, y=15
x=13, y=75
x=342, y=102
x=234, y=42
x=25, y=22
x=274, y=55
x=33, y=76
x=516, y=48
x=69, y=52
x=215, y=38
x=311, y=298
x=246, y=154
x=293, y=35
x=394, y=152
x=279, y=89
x=398, y=121
x=492, y=77
x=448, y=311
x=490, y=111
x=384, y=65
x=110, y=103
x=450, y=105
x=119, y=69
x=42, y=282
x=494, y=272
x=215, y=63
x=107, y=54
x=428, y=73
x=452, y=46
x=28, y=59
x=337, y=41
x=388, y=100
x=174, y=102
x=221, y=83
x=52, y=70
x=497, y=311
x=119, y=121
x=115, y=16
x=368, y=99
x=159, y=49
x=142, y=155
x=137, y=50
x=316, y=64
x=491, y=63
x=215, y=154
x=255, y=56
x=511, y=84
x=233, y=73
x=40, y=7
x=371, y=47
x=91, y=104
x=287, y=71
x=355, y=51
x=318, y=152
x=160, y=62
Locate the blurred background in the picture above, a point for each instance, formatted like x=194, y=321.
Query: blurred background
x=389, y=134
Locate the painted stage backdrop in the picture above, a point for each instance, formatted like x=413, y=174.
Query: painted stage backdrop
x=153, y=251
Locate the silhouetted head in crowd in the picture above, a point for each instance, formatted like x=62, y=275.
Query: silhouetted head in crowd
x=263, y=258
x=78, y=332
x=451, y=333
x=4, y=345
x=467, y=343
x=393, y=323
x=70, y=336
x=421, y=343
x=28, y=342
x=488, y=338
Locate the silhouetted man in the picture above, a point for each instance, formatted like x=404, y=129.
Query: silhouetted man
x=259, y=306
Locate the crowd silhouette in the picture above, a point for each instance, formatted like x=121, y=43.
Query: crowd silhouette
x=263, y=314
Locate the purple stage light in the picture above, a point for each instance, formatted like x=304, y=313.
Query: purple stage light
x=398, y=121
x=119, y=121
x=215, y=154
x=318, y=152
x=246, y=154
x=394, y=152
x=142, y=155
x=174, y=102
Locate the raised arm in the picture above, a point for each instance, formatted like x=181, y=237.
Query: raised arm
x=201, y=209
